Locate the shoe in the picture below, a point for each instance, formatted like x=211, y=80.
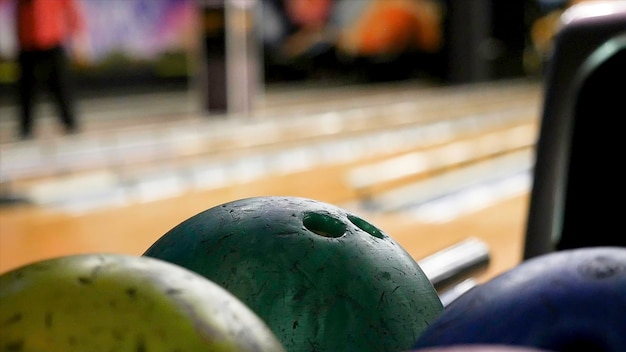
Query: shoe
x=25, y=136
x=70, y=130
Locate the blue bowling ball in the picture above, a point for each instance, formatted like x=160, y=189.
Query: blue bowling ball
x=479, y=348
x=571, y=300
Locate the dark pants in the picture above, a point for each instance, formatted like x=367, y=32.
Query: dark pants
x=47, y=69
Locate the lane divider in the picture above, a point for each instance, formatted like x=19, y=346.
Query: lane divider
x=211, y=173
x=365, y=178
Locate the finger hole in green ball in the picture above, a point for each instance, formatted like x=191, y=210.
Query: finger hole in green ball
x=366, y=226
x=324, y=225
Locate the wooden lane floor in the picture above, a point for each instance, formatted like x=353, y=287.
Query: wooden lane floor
x=33, y=232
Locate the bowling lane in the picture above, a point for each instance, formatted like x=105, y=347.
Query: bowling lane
x=313, y=139
x=31, y=233
x=155, y=139
x=132, y=218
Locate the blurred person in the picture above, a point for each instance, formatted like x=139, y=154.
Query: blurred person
x=46, y=31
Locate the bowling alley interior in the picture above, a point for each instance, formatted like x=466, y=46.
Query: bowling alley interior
x=476, y=135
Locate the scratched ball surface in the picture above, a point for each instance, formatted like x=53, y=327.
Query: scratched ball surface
x=321, y=277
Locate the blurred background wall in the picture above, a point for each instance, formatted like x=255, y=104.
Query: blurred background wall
x=157, y=44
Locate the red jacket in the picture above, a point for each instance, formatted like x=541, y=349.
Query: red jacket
x=44, y=24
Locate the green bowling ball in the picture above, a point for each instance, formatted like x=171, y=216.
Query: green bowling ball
x=321, y=277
